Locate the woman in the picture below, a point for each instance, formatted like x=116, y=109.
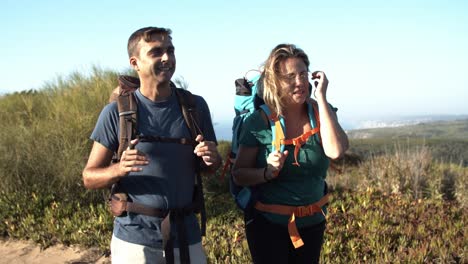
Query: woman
x=287, y=223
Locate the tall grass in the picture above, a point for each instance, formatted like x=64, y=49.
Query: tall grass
x=400, y=206
x=410, y=171
x=44, y=135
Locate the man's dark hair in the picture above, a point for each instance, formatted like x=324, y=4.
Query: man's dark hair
x=145, y=33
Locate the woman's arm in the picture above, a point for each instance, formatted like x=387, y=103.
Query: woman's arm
x=334, y=139
x=244, y=171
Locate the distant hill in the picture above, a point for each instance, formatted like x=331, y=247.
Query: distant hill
x=446, y=140
x=452, y=129
x=393, y=126
x=362, y=122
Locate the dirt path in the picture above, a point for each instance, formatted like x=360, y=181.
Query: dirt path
x=14, y=251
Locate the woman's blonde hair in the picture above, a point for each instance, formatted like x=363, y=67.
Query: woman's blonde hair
x=271, y=74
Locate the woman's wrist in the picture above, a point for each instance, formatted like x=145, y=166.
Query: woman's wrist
x=267, y=176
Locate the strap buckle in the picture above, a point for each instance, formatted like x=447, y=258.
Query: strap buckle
x=307, y=210
x=127, y=113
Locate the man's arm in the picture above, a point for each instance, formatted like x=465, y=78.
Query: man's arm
x=100, y=173
x=207, y=145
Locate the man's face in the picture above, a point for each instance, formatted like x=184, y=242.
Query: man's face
x=156, y=58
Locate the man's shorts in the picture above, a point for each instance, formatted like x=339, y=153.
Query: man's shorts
x=123, y=252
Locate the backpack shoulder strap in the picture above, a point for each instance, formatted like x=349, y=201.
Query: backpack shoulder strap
x=277, y=129
x=187, y=103
x=127, y=107
x=127, y=121
x=314, y=117
x=277, y=124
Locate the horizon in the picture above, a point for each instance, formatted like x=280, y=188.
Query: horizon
x=223, y=129
x=382, y=59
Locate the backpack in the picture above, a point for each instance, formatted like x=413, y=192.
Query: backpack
x=127, y=108
x=248, y=98
x=246, y=101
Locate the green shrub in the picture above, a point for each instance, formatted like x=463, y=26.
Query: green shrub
x=396, y=204
x=368, y=226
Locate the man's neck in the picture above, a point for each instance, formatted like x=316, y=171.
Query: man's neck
x=155, y=91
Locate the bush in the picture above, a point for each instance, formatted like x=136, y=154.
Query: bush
x=402, y=205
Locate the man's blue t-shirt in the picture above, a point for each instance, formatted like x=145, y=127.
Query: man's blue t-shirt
x=167, y=181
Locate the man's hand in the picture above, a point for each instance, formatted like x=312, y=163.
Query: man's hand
x=208, y=152
x=131, y=160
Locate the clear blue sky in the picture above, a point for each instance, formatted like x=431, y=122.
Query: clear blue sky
x=382, y=57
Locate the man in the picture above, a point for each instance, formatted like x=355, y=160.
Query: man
x=154, y=174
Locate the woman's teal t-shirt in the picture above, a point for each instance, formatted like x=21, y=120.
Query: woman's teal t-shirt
x=295, y=185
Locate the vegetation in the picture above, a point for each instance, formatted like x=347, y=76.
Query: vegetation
x=393, y=201
x=443, y=150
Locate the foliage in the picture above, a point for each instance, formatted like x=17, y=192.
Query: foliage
x=48, y=219
x=368, y=226
x=393, y=201
x=444, y=150
x=39, y=148
x=375, y=227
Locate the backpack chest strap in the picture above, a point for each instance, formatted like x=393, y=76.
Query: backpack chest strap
x=278, y=128
x=298, y=142
x=183, y=141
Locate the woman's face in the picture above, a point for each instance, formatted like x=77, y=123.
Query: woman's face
x=294, y=79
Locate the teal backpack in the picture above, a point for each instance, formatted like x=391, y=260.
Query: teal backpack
x=246, y=101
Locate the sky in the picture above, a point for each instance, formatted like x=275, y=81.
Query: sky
x=382, y=58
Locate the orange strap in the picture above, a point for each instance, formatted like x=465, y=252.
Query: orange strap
x=293, y=211
x=228, y=162
x=299, y=141
x=279, y=133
